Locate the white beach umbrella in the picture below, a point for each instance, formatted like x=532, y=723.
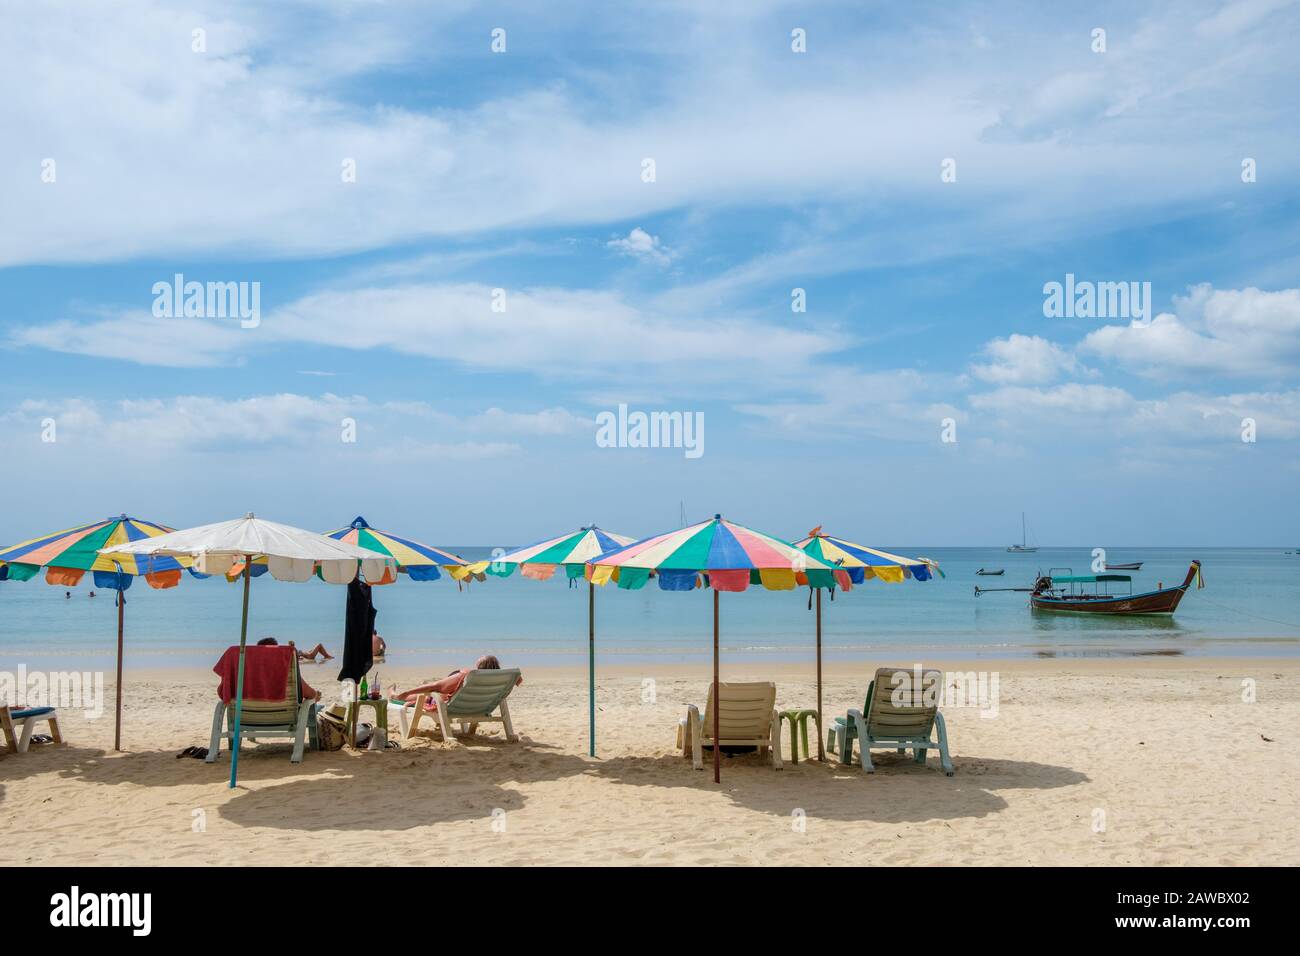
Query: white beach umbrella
x=291, y=554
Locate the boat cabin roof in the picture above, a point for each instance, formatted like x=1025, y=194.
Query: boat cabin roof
x=1090, y=578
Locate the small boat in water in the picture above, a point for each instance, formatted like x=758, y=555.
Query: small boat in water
x=994, y=572
x=1131, y=566
x=1092, y=593
x=1023, y=547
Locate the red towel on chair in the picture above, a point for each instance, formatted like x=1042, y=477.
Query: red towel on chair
x=266, y=672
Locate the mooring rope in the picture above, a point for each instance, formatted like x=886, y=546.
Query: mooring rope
x=1200, y=599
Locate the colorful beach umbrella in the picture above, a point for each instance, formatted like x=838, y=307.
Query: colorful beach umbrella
x=861, y=563
x=291, y=554
x=719, y=554
x=570, y=551
x=68, y=555
x=420, y=562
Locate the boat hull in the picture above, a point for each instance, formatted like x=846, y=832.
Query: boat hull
x=1152, y=602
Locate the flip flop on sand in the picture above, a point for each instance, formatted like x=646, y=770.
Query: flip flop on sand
x=42, y=739
x=198, y=753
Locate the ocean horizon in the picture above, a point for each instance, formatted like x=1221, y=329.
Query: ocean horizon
x=1249, y=607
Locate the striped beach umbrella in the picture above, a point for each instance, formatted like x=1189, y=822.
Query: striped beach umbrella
x=69, y=555
x=719, y=554
x=570, y=551
x=861, y=563
x=421, y=562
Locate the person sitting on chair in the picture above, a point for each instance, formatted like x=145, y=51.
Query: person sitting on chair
x=308, y=692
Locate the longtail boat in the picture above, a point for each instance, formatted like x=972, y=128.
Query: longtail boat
x=1070, y=592
x=1131, y=566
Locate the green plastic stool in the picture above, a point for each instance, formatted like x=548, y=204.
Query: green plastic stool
x=799, y=722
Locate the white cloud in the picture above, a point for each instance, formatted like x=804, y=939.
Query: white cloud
x=256, y=129
x=1102, y=411
x=142, y=338
x=898, y=404
x=286, y=420
x=580, y=334
x=639, y=244
x=1058, y=404
x=1232, y=332
x=1024, y=360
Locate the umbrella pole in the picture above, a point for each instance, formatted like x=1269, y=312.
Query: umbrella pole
x=121, y=610
x=821, y=743
x=239, y=685
x=717, y=750
x=591, y=661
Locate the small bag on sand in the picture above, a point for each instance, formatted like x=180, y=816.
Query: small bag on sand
x=331, y=730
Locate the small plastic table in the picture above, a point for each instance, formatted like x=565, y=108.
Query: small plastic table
x=380, y=708
x=799, y=722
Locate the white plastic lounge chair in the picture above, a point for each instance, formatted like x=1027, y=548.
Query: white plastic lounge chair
x=28, y=717
x=483, y=692
x=882, y=723
x=747, y=718
x=289, y=717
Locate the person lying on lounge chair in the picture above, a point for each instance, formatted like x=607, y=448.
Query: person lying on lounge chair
x=448, y=686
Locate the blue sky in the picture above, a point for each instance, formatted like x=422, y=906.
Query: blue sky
x=774, y=170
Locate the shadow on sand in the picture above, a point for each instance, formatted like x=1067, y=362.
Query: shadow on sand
x=328, y=790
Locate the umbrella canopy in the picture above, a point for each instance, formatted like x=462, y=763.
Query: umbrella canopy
x=421, y=562
x=732, y=556
x=719, y=554
x=570, y=551
x=67, y=555
x=291, y=554
x=862, y=562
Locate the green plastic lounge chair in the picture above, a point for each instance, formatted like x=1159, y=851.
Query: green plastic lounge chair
x=290, y=717
x=882, y=723
x=747, y=718
x=27, y=717
x=480, y=700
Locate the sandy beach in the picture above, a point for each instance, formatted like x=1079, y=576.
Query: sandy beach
x=1112, y=761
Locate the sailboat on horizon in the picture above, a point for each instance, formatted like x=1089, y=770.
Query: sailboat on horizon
x=1023, y=547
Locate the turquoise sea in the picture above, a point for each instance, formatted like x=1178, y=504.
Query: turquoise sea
x=1250, y=606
